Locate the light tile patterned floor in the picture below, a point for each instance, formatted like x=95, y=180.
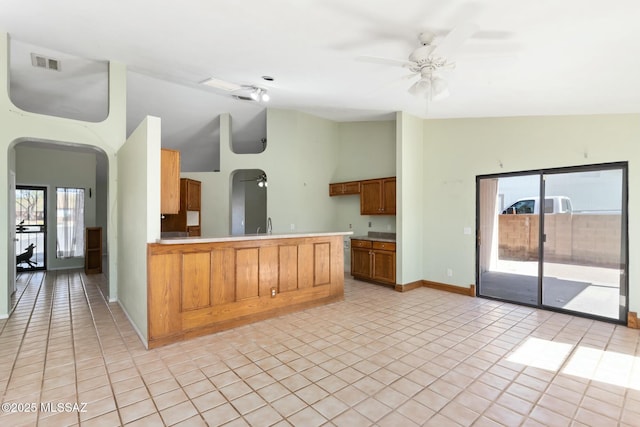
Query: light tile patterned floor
x=380, y=357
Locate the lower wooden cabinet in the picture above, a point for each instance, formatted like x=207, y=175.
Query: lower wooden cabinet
x=199, y=288
x=374, y=261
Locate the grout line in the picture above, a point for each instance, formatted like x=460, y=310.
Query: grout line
x=24, y=333
x=95, y=325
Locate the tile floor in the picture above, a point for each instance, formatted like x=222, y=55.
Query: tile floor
x=380, y=357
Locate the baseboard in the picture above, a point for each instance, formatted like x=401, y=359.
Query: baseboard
x=133, y=325
x=470, y=291
x=408, y=286
x=632, y=320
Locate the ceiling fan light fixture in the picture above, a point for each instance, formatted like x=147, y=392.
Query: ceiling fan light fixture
x=421, y=87
x=439, y=88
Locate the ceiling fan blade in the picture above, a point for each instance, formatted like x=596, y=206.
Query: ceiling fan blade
x=455, y=39
x=385, y=61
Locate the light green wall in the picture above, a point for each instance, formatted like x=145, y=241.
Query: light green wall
x=18, y=125
x=138, y=216
x=457, y=150
x=410, y=199
x=73, y=169
x=299, y=160
x=366, y=150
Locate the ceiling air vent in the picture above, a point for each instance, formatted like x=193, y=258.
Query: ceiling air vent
x=41, y=61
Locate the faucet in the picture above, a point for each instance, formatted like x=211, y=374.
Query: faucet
x=269, y=226
x=258, y=230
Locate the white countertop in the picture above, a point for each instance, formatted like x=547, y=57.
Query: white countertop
x=187, y=240
x=374, y=239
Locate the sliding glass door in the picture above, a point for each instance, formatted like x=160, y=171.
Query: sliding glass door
x=555, y=239
x=584, y=246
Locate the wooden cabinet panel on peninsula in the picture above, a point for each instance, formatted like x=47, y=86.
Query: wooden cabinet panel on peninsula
x=169, y=181
x=188, y=217
x=378, y=196
x=374, y=261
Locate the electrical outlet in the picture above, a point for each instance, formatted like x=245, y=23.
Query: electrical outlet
x=449, y=272
x=293, y=227
x=369, y=224
x=350, y=226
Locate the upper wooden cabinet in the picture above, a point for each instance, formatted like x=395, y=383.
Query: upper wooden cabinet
x=188, y=217
x=169, y=181
x=344, y=188
x=193, y=194
x=378, y=196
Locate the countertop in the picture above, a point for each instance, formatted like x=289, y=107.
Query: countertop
x=187, y=240
x=377, y=236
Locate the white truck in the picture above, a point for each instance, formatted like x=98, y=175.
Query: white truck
x=531, y=205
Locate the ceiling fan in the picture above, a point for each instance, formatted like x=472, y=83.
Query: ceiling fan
x=260, y=180
x=428, y=61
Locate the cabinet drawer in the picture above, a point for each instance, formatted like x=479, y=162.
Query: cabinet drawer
x=387, y=246
x=360, y=243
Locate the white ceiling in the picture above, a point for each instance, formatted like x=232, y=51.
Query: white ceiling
x=543, y=57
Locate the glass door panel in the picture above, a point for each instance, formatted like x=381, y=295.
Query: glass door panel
x=584, y=242
x=30, y=205
x=508, y=247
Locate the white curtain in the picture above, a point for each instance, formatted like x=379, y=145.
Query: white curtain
x=488, y=224
x=70, y=222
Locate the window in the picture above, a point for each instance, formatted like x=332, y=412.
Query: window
x=70, y=222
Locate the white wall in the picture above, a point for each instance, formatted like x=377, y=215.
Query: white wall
x=457, y=150
x=72, y=169
x=138, y=216
x=18, y=125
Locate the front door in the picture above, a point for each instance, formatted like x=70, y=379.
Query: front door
x=30, y=220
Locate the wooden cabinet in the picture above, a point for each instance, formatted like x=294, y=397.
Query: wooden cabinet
x=378, y=196
x=193, y=195
x=188, y=217
x=169, y=181
x=93, y=250
x=374, y=261
x=199, y=288
x=344, y=188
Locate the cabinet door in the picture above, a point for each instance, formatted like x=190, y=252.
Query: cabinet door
x=352, y=187
x=193, y=195
x=360, y=262
x=194, y=231
x=335, y=189
x=371, y=197
x=389, y=196
x=169, y=181
x=384, y=266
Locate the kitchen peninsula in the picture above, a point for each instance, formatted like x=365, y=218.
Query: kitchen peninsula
x=201, y=285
